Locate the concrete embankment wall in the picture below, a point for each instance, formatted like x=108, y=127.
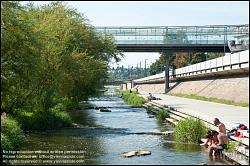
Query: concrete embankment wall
x=225, y=77
x=235, y=88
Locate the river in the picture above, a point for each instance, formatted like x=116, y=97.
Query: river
x=103, y=136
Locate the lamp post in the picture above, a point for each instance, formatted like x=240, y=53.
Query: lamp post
x=140, y=68
x=145, y=71
x=206, y=55
x=128, y=72
x=137, y=70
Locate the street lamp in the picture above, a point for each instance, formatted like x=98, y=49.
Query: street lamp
x=145, y=67
x=206, y=55
x=128, y=72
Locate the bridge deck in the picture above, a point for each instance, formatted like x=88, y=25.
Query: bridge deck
x=182, y=38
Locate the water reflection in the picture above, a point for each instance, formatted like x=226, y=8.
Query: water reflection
x=105, y=135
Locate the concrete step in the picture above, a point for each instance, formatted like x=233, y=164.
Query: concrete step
x=156, y=109
x=179, y=114
x=243, y=150
x=156, y=104
x=173, y=116
x=238, y=158
x=244, y=141
x=172, y=121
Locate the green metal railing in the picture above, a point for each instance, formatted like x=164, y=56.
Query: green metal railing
x=177, y=35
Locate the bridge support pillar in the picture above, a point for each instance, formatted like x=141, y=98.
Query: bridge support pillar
x=167, y=53
x=132, y=84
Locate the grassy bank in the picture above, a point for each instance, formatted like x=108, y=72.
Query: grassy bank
x=132, y=98
x=216, y=100
x=48, y=120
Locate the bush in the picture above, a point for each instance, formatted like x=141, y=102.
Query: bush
x=44, y=120
x=118, y=92
x=190, y=130
x=11, y=134
x=162, y=115
x=232, y=145
x=133, y=99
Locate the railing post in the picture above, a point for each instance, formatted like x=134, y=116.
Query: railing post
x=239, y=61
x=200, y=68
x=230, y=61
x=210, y=65
x=216, y=64
x=224, y=40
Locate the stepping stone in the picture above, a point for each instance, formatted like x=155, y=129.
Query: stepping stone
x=135, y=153
x=129, y=154
x=143, y=153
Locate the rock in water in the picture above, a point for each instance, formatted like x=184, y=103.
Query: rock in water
x=143, y=153
x=129, y=154
x=105, y=110
x=75, y=125
x=202, y=163
x=136, y=153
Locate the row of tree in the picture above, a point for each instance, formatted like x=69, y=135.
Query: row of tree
x=49, y=53
x=122, y=73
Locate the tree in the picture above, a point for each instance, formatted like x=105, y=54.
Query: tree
x=159, y=65
x=49, y=53
x=181, y=60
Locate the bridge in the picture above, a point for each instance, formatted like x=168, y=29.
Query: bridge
x=170, y=39
x=176, y=38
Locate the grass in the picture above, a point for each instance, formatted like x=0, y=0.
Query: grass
x=118, y=92
x=216, y=100
x=44, y=120
x=12, y=135
x=231, y=146
x=162, y=115
x=190, y=130
x=150, y=109
x=133, y=99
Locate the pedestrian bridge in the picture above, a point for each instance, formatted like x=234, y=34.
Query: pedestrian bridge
x=181, y=38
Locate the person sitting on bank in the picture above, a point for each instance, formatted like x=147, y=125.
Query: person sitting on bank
x=136, y=91
x=221, y=129
x=151, y=97
x=220, y=144
x=210, y=139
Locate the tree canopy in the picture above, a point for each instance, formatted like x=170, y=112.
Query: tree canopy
x=49, y=53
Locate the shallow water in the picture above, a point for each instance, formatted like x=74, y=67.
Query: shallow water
x=105, y=135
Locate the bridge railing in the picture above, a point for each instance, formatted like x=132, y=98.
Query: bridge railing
x=230, y=60
x=213, y=34
x=227, y=62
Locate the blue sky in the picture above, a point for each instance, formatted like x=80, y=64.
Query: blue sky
x=159, y=13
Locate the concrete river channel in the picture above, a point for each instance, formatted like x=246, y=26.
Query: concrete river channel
x=101, y=137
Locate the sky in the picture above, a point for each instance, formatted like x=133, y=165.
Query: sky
x=159, y=13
